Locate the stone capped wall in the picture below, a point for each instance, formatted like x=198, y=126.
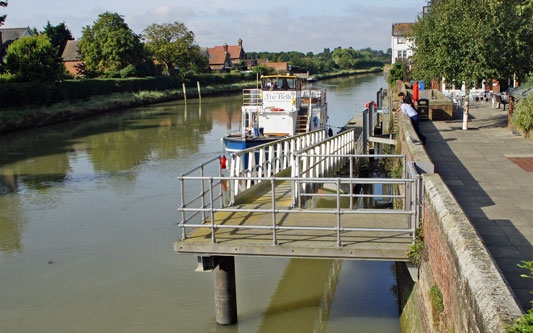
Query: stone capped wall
x=475, y=296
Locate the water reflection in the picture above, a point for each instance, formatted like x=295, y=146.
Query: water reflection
x=12, y=222
x=302, y=301
x=97, y=199
x=112, y=145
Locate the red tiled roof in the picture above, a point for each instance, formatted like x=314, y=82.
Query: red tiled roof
x=217, y=55
x=278, y=66
x=234, y=51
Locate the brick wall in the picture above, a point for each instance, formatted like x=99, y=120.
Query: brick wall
x=475, y=296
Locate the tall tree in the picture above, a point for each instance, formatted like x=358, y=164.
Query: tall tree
x=58, y=35
x=3, y=17
x=34, y=58
x=172, y=44
x=109, y=44
x=467, y=41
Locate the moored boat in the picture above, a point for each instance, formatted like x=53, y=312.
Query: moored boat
x=282, y=107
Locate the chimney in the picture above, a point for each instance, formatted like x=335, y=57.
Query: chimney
x=240, y=42
x=226, y=47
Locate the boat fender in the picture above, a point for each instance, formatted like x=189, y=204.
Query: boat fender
x=278, y=109
x=223, y=162
x=368, y=104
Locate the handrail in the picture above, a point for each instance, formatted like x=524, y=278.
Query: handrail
x=307, y=163
x=252, y=97
x=209, y=208
x=268, y=159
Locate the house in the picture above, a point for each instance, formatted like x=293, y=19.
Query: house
x=72, y=57
x=278, y=66
x=236, y=52
x=9, y=35
x=402, y=42
x=218, y=59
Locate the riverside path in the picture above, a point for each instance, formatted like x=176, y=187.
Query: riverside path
x=490, y=172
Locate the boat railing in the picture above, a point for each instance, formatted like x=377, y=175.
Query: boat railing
x=317, y=96
x=252, y=97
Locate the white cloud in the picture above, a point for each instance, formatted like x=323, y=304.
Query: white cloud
x=285, y=25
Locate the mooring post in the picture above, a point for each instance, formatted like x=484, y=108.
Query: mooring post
x=225, y=291
x=184, y=92
x=199, y=91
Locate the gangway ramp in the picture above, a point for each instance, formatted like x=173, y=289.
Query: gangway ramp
x=257, y=210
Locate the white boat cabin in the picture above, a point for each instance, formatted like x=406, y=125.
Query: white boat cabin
x=283, y=107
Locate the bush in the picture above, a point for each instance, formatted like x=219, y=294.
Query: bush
x=523, y=114
x=263, y=70
x=128, y=71
x=13, y=94
x=33, y=58
x=111, y=74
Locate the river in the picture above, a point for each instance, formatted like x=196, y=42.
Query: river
x=87, y=222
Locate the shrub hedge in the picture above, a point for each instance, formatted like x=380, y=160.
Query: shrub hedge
x=15, y=94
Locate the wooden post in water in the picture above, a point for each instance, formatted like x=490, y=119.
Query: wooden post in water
x=184, y=92
x=225, y=291
x=199, y=91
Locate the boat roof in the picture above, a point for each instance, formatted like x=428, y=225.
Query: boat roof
x=291, y=76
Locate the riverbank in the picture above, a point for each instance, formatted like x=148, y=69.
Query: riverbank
x=20, y=119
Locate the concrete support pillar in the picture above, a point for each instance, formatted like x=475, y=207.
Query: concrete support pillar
x=225, y=291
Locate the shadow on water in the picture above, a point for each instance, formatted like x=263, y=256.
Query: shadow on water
x=505, y=243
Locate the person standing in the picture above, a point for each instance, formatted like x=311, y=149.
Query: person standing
x=413, y=115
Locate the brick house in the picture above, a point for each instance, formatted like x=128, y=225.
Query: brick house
x=72, y=57
x=9, y=35
x=226, y=56
x=219, y=58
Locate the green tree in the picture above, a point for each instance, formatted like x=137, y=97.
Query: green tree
x=58, y=35
x=33, y=58
x=172, y=44
x=110, y=45
x=3, y=17
x=467, y=41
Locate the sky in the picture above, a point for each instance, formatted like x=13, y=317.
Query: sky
x=273, y=25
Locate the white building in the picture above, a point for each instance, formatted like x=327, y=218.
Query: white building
x=402, y=41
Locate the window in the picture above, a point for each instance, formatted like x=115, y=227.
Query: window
x=402, y=40
x=405, y=54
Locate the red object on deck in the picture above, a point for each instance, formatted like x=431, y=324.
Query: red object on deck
x=223, y=161
x=415, y=91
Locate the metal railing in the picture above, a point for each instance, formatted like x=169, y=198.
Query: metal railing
x=322, y=159
x=251, y=97
x=210, y=207
x=268, y=159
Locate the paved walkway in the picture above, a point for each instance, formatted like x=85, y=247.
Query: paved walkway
x=490, y=172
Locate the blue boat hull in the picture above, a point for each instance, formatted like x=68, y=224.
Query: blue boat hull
x=236, y=144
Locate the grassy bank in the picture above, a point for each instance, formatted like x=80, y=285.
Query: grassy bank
x=24, y=118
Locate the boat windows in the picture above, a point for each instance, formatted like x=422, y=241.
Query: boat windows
x=279, y=83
